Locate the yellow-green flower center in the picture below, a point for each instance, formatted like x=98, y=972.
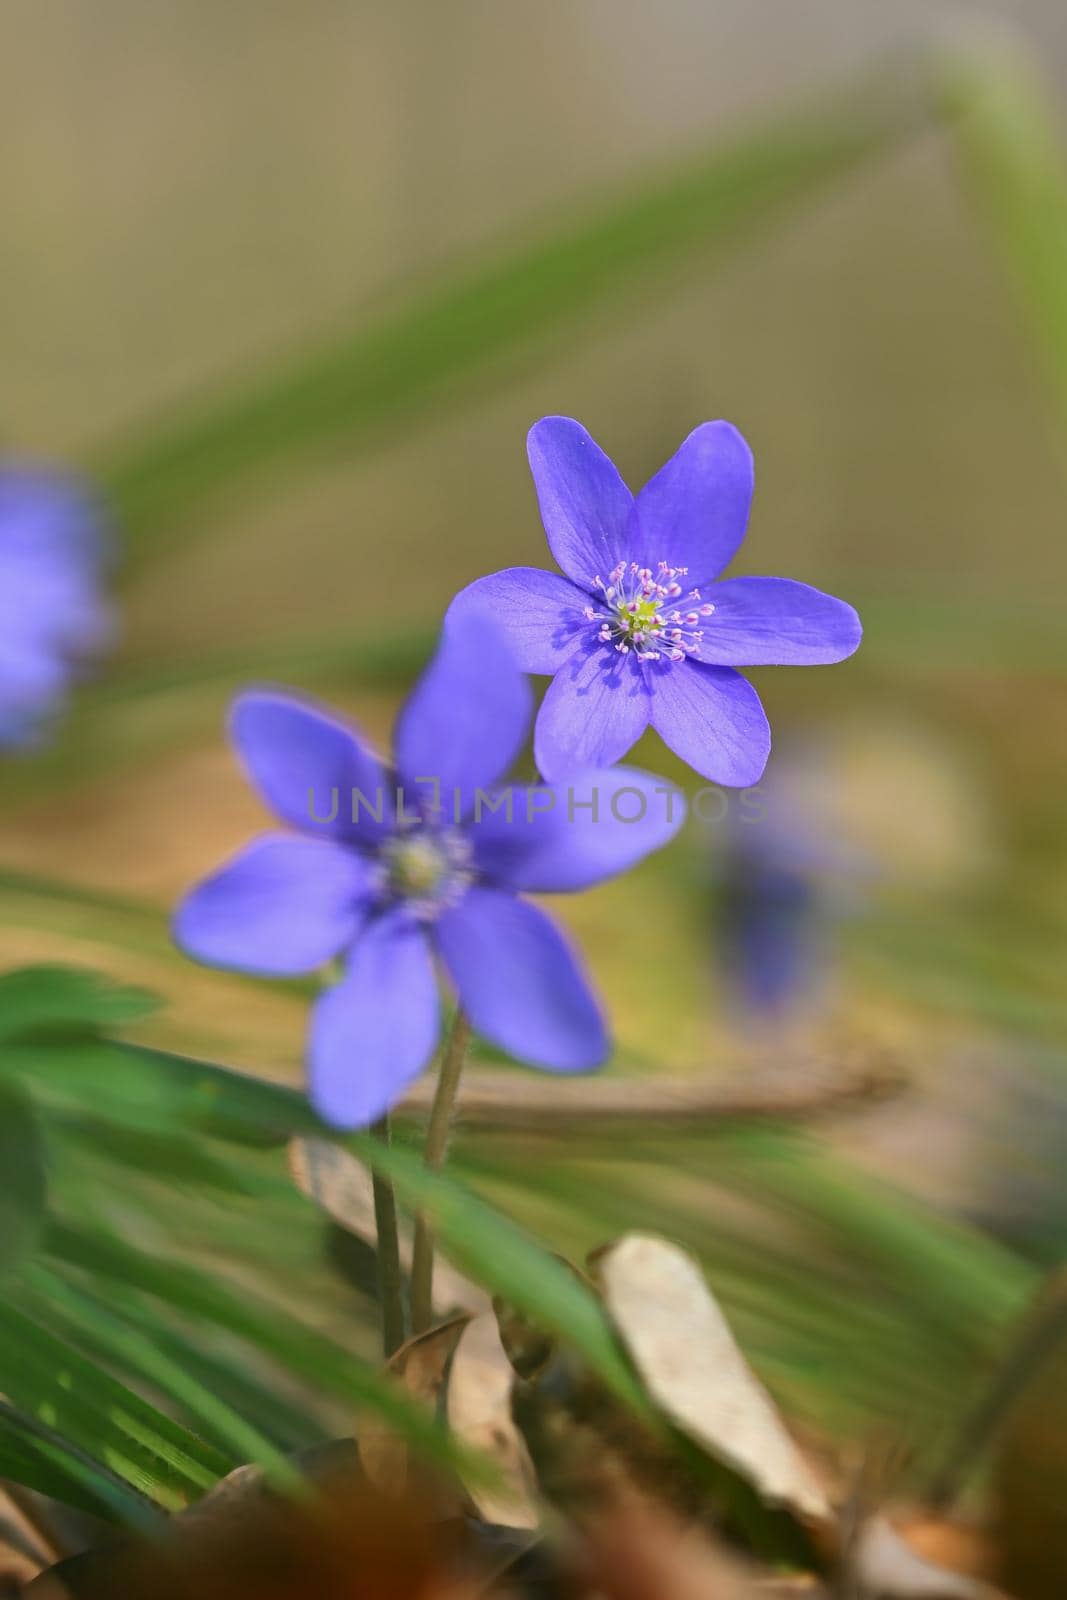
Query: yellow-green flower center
x=647, y=613
x=427, y=866
x=640, y=617
x=417, y=867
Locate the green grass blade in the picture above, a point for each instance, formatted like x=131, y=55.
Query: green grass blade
x=37, y=1456
x=51, y=1380
x=83, y=1317
x=23, y=1185
x=150, y=1091
x=54, y=999
x=293, y=1345
x=287, y=1424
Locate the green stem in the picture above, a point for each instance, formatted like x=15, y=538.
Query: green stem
x=444, y=1101
x=390, y=1277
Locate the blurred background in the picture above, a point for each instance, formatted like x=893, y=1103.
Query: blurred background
x=290, y=283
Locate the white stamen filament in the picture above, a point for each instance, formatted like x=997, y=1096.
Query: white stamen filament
x=632, y=617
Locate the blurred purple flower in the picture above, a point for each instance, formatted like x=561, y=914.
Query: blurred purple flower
x=53, y=615
x=786, y=878
x=394, y=881
x=770, y=926
x=637, y=631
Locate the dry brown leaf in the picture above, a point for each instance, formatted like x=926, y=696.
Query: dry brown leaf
x=23, y=1550
x=354, y=1541
x=691, y=1365
x=421, y=1367
x=479, y=1413
x=961, y=1546
x=885, y=1567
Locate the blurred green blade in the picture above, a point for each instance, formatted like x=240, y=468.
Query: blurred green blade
x=239, y=1384
x=1009, y=132
x=149, y=1091
x=51, y=1380
x=55, y=999
x=22, y=1177
x=81, y=1316
x=37, y=1456
x=469, y=329
x=292, y=1344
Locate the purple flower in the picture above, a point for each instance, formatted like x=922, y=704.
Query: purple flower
x=771, y=918
x=418, y=866
x=52, y=613
x=638, y=631
x=786, y=879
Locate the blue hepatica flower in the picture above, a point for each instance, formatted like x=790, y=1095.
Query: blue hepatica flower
x=53, y=616
x=639, y=629
x=772, y=913
x=420, y=865
x=788, y=877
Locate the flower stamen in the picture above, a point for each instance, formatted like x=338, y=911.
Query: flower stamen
x=632, y=616
x=427, y=867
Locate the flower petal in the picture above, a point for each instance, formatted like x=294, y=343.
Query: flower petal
x=539, y=613
x=466, y=719
x=33, y=683
x=307, y=766
x=520, y=983
x=585, y=506
x=694, y=512
x=373, y=1032
x=770, y=949
x=712, y=718
x=596, y=707
x=568, y=836
x=762, y=622
x=53, y=614
x=284, y=905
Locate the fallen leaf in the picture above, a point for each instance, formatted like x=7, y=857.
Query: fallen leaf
x=352, y=1540
x=479, y=1413
x=961, y=1546
x=23, y=1550
x=691, y=1365
x=885, y=1567
x=420, y=1366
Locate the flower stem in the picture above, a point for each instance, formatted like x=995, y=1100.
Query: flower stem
x=390, y=1277
x=444, y=1100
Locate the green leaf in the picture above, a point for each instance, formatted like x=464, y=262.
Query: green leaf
x=151, y=1091
x=295, y=1346
x=49, y=1379
x=23, y=1184
x=34, y=1454
x=233, y=1379
x=82, y=1317
x=50, y=999
x=473, y=326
